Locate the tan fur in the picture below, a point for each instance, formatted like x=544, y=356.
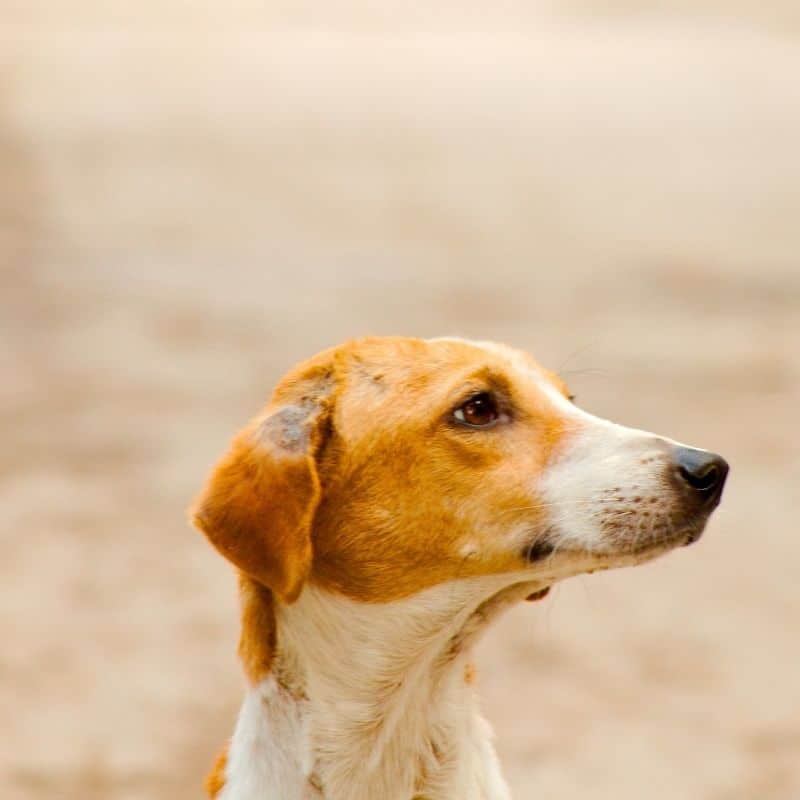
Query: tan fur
x=258, y=505
x=216, y=778
x=257, y=639
x=393, y=447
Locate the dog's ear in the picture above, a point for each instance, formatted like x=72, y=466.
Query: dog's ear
x=258, y=506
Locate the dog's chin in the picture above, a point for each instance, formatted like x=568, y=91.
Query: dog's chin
x=561, y=552
x=681, y=537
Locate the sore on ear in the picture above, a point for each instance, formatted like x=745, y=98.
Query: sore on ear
x=258, y=505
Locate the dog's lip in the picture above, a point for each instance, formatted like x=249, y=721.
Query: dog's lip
x=681, y=538
x=539, y=550
x=543, y=548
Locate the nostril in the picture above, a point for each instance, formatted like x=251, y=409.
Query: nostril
x=703, y=480
x=701, y=471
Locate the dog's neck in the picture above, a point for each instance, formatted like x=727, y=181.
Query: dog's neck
x=369, y=700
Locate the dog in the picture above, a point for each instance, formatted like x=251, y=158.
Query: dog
x=393, y=498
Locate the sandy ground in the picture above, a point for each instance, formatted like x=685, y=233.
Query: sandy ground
x=189, y=203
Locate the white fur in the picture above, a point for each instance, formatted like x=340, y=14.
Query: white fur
x=389, y=713
x=393, y=717
x=607, y=475
x=269, y=747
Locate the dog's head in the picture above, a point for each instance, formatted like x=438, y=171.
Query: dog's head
x=388, y=465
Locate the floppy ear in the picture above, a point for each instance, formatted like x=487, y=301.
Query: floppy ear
x=259, y=503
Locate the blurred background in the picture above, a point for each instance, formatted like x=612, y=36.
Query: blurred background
x=194, y=196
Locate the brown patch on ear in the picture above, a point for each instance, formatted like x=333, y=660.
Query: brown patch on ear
x=257, y=508
x=215, y=782
x=258, y=505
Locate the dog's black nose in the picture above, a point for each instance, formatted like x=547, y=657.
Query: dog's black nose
x=702, y=472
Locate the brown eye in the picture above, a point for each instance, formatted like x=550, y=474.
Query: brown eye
x=478, y=412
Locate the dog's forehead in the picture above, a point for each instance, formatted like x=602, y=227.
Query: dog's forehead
x=407, y=376
x=408, y=364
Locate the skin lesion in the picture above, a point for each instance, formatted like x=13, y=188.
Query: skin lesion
x=469, y=674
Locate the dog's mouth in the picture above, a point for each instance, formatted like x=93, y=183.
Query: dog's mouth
x=539, y=550
x=551, y=547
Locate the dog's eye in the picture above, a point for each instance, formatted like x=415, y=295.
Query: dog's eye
x=479, y=411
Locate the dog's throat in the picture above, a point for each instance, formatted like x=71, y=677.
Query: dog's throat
x=387, y=684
